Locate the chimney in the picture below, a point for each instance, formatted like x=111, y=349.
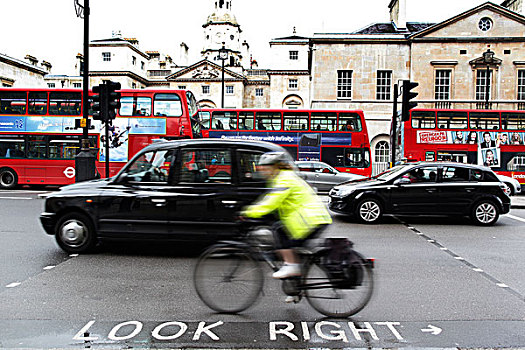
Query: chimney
x=183, y=54
x=32, y=60
x=47, y=66
x=398, y=11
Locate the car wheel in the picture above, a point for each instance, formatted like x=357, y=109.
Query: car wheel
x=75, y=233
x=8, y=178
x=369, y=211
x=485, y=213
x=512, y=191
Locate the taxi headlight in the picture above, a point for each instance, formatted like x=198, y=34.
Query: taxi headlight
x=344, y=191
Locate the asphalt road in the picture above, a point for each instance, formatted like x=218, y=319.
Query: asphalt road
x=440, y=283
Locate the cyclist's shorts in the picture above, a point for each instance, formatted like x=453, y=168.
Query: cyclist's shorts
x=283, y=240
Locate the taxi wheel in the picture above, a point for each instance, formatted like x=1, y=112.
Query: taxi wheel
x=369, y=211
x=75, y=233
x=485, y=213
x=8, y=179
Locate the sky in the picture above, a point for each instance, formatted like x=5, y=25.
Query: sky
x=50, y=30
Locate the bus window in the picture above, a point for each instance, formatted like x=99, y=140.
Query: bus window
x=323, y=121
x=516, y=163
x=65, y=103
x=513, y=120
x=430, y=156
x=167, y=105
x=63, y=146
x=423, y=119
x=484, y=120
x=192, y=103
x=37, y=103
x=134, y=106
x=224, y=120
x=36, y=146
x=452, y=120
x=357, y=158
x=204, y=119
x=12, y=102
x=12, y=146
x=245, y=120
x=268, y=120
x=295, y=120
x=349, y=122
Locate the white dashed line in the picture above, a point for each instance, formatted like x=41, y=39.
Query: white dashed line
x=515, y=217
x=73, y=255
x=14, y=284
x=458, y=258
x=25, y=198
x=477, y=269
x=443, y=248
x=49, y=267
x=502, y=285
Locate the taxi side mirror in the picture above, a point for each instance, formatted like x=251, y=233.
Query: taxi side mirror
x=402, y=181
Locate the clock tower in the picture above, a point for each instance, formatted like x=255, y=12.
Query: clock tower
x=221, y=28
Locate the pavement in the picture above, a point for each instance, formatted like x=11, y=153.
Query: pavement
x=517, y=202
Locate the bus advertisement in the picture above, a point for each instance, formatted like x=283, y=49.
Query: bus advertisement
x=338, y=138
x=485, y=137
x=39, y=141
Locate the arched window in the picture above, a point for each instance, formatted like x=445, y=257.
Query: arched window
x=381, y=157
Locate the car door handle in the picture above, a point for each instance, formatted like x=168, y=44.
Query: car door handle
x=469, y=189
x=431, y=190
x=229, y=204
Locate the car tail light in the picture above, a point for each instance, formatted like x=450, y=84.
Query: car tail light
x=505, y=189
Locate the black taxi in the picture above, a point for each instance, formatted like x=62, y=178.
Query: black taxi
x=185, y=190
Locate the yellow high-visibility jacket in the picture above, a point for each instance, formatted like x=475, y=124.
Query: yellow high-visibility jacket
x=300, y=209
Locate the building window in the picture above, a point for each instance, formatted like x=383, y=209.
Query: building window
x=229, y=90
x=521, y=84
x=51, y=85
x=106, y=56
x=133, y=60
x=206, y=89
x=292, y=84
x=442, y=84
x=294, y=55
x=77, y=85
x=182, y=87
x=384, y=82
x=259, y=92
x=381, y=157
x=344, y=84
x=485, y=24
x=142, y=65
x=481, y=84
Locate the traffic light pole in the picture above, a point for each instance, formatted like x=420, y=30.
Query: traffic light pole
x=85, y=160
x=393, y=136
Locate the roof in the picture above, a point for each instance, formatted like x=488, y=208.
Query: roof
x=211, y=141
x=389, y=28
x=21, y=64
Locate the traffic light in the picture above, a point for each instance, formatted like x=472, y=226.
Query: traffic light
x=406, y=105
x=113, y=99
x=100, y=102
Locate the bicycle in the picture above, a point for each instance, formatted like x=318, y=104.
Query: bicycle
x=228, y=276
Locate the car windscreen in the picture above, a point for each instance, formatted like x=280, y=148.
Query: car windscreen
x=391, y=173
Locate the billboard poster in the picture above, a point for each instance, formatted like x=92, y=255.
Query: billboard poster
x=118, y=140
x=10, y=123
x=483, y=138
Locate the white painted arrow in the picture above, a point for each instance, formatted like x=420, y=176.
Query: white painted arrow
x=432, y=329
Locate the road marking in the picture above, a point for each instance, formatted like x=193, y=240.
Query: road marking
x=502, y=285
x=432, y=330
x=49, y=267
x=515, y=217
x=477, y=269
x=16, y=198
x=14, y=284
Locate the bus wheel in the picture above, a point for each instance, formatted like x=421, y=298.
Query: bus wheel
x=75, y=233
x=8, y=179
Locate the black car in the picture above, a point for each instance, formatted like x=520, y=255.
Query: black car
x=425, y=189
x=187, y=190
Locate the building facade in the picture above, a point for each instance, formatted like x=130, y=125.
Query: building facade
x=17, y=73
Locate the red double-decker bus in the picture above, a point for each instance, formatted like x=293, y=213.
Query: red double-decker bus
x=494, y=138
x=39, y=141
x=339, y=138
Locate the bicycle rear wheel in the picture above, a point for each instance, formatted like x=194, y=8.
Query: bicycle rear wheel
x=227, y=279
x=324, y=296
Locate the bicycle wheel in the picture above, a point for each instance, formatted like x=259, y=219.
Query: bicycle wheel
x=336, y=302
x=227, y=279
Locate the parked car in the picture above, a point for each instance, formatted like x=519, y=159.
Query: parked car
x=322, y=176
x=513, y=184
x=187, y=190
x=425, y=189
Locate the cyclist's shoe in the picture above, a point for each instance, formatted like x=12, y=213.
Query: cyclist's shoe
x=288, y=270
x=292, y=299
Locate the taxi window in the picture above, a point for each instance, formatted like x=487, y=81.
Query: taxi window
x=206, y=166
x=151, y=167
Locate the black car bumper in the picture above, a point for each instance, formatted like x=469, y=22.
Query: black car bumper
x=48, y=221
x=505, y=208
x=340, y=205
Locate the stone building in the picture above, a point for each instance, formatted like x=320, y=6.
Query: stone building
x=17, y=73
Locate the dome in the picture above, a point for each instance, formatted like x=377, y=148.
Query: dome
x=225, y=17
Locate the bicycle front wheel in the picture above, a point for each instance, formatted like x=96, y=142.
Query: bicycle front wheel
x=227, y=279
x=326, y=297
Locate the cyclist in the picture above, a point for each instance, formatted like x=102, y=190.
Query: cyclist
x=302, y=214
